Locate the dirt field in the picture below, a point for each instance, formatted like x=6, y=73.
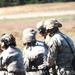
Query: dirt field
x=16, y=28
x=35, y=8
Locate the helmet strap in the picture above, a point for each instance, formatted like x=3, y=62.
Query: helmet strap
x=53, y=31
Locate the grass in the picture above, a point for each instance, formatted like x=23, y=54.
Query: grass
x=27, y=20
x=35, y=8
x=16, y=26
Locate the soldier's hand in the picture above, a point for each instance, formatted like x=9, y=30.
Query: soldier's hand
x=45, y=71
x=46, y=68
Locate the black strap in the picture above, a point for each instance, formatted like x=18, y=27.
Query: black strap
x=1, y=62
x=68, y=43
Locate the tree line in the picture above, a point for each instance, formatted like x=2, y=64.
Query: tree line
x=4, y=3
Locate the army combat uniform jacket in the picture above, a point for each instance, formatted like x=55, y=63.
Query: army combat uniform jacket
x=12, y=58
x=34, y=60
x=60, y=53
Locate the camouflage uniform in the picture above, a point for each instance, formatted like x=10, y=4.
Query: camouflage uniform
x=3, y=71
x=42, y=30
x=12, y=56
x=60, y=52
x=38, y=42
x=34, y=55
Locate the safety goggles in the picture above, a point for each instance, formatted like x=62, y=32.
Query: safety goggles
x=41, y=30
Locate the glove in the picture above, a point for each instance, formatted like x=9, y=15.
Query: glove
x=45, y=71
x=46, y=68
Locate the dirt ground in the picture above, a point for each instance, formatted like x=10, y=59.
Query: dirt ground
x=17, y=28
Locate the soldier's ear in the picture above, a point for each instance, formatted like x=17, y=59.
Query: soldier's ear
x=24, y=44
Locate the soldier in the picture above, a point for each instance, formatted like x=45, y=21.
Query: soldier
x=33, y=32
x=36, y=54
x=42, y=31
x=12, y=56
x=3, y=71
x=59, y=48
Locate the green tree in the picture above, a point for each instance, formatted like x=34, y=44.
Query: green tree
x=2, y=3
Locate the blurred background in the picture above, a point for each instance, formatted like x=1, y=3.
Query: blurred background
x=4, y=3
x=16, y=15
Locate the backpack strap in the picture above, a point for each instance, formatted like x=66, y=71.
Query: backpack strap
x=1, y=62
x=68, y=43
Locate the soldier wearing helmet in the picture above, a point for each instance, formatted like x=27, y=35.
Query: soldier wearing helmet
x=59, y=49
x=43, y=32
x=35, y=41
x=41, y=29
x=29, y=30
x=52, y=25
x=35, y=53
x=12, y=56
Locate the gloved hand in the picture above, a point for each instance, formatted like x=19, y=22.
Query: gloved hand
x=45, y=71
x=46, y=68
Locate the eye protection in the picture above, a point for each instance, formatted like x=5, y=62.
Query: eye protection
x=3, y=40
x=41, y=30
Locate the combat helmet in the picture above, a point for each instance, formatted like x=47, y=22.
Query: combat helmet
x=29, y=30
x=28, y=38
x=29, y=35
x=52, y=23
x=8, y=40
x=40, y=27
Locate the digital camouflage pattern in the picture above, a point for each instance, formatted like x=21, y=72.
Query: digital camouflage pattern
x=12, y=56
x=28, y=38
x=51, y=23
x=14, y=59
x=34, y=60
x=61, y=54
x=3, y=72
x=59, y=51
x=46, y=40
x=9, y=37
x=29, y=35
x=34, y=56
x=29, y=30
x=40, y=24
